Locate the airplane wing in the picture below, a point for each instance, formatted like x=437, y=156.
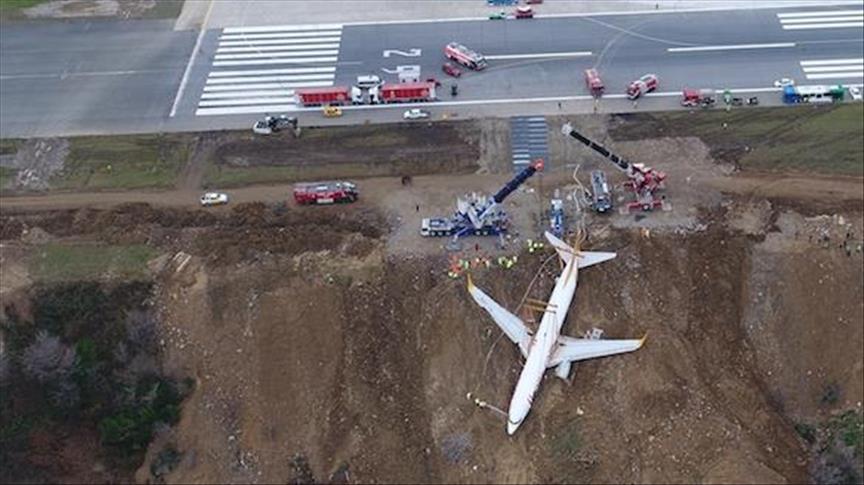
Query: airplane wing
x=586, y=258
x=571, y=349
x=508, y=322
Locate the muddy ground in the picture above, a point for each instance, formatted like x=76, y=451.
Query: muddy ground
x=334, y=334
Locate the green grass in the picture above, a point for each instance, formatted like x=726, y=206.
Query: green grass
x=11, y=9
x=9, y=146
x=7, y=175
x=123, y=162
x=163, y=9
x=849, y=427
x=804, y=138
x=64, y=262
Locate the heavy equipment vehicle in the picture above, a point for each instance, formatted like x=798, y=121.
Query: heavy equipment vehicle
x=643, y=181
x=478, y=215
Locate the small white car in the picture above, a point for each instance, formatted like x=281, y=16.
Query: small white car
x=855, y=92
x=782, y=83
x=368, y=81
x=214, y=198
x=415, y=114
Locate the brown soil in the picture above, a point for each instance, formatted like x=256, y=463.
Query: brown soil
x=399, y=149
x=334, y=333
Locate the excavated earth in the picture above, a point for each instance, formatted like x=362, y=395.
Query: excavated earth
x=307, y=337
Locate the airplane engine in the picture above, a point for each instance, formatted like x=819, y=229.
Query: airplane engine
x=563, y=370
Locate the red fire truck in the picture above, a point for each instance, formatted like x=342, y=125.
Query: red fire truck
x=465, y=56
x=643, y=85
x=331, y=95
x=594, y=83
x=325, y=193
x=407, y=92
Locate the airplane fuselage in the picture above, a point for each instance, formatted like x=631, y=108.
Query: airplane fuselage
x=543, y=345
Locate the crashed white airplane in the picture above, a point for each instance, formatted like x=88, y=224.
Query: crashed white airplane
x=547, y=348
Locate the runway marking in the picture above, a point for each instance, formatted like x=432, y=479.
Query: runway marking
x=246, y=43
x=250, y=101
x=274, y=61
x=261, y=79
x=244, y=87
x=281, y=28
x=823, y=19
x=833, y=68
x=249, y=94
x=282, y=35
x=195, y=48
x=821, y=13
x=837, y=75
x=276, y=55
x=778, y=45
x=831, y=62
x=264, y=72
x=245, y=110
x=270, y=48
x=538, y=56
x=824, y=26
x=229, y=87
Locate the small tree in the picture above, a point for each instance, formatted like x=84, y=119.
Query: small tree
x=47, y=359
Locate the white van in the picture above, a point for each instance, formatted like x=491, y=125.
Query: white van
x=368, y=81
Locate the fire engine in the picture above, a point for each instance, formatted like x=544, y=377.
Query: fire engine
x=325, y=193
x=465, y=56
x=643, y=85
x=594, y=83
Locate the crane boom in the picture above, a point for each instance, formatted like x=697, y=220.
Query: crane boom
x=619, y=162
x=516, y=181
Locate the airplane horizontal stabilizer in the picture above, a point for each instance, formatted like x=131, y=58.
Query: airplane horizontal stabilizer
x=571, y=349
x=586, y=258
x=512, y=326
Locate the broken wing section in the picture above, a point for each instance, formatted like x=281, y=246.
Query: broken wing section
x=585, y=258
x=571, y=349
x=512, y=326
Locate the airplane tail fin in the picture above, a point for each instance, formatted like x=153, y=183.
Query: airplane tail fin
x=586, y=258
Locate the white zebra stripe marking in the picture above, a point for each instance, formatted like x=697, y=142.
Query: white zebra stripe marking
x=824, y=26
x=270, y=48
x=821, y=13
x=265, y=72
x=279, y=35
x=239, y=95
x=274, y=55
x=243, y=87
x=837, y=75
x=239, y=91
x=241, y=43
x=231, y=102
x=280, y=28
x=274, y=61
x=831, y=62
x=243, y=110
x=283, y=79
x=833, y=68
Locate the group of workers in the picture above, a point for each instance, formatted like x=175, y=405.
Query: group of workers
x=534, y=246
x=461, y=265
